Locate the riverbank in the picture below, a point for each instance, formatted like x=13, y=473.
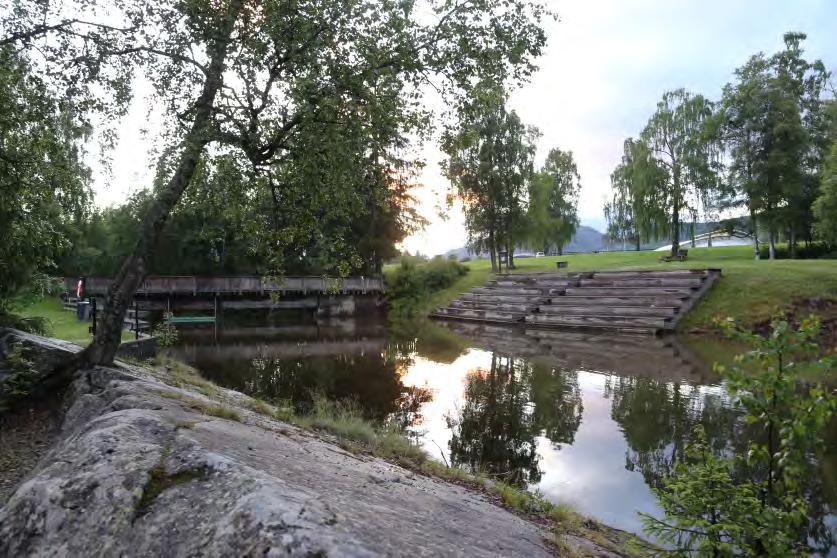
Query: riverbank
x=62, y=323
x=158, y=461
x=750, y=290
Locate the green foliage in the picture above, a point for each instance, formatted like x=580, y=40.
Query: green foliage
x=20, y=377
x=634, y=213
x=490, y=156
x=681, y=170
x=825, y=207
x=165, y=331
x=308, y=144
x=774, y=123
x=412, y=282
x=42, y=179
x=754, y=504
x=553, y=202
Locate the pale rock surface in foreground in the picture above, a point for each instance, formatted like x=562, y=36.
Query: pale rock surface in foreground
x=136, y=473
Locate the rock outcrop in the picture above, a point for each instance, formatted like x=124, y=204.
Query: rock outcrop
x=143, y=468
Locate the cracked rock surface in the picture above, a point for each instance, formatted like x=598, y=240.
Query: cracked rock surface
x=136, y=471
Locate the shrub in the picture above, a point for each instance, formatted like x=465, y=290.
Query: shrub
x=21, y=378
x=412, y=282
x=754, y=504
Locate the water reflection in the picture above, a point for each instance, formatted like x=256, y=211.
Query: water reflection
x=595, y=420
x=295, y=364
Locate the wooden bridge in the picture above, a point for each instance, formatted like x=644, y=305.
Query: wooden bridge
x=237, y=285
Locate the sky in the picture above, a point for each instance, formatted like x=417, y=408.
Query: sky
x=606, y=64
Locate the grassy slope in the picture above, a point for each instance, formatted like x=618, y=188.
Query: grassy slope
x=749, y=290
x=63, y=323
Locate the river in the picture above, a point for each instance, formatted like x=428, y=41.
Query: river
x=594, y=420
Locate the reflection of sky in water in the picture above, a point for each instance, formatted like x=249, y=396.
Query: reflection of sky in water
x=590, y=473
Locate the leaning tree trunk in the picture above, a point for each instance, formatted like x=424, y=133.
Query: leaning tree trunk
x=102, y=349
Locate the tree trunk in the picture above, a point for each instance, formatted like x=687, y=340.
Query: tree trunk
x=755, y=227
x=638, y=244
x=102, y=349
x=492, y=250
x=675, y=231
x=675, y=213
x=692, y=233
x=510, y=255
x=771, y=239
x=792, y=242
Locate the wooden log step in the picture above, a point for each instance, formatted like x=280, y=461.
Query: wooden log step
x=530, y=285
x=525, y=299
x=629, y=291
x=627, y=322
x=571, y=300
x=486, y=305
x=606, y=310
x=649, y=282
x=509, y=291
x=677, y=273
x=487, y=315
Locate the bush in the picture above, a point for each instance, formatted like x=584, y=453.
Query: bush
x=816, y=250
x=755, y=503
x=411, y=283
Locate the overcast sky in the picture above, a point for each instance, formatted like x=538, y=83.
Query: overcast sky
x=606, y=65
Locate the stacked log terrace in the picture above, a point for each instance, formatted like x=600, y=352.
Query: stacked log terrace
x=631, y=301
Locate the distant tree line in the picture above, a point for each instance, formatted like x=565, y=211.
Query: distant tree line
x=507, y=203
x=765, y=148
x=218, y=229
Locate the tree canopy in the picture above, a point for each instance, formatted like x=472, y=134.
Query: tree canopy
x=43, y=181
x=553, y=202
x=490, y=158
x=314, y=97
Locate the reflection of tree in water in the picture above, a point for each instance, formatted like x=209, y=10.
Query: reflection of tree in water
x=658, y=418
x=506, y=407
x=372, y=379
x=557, y=399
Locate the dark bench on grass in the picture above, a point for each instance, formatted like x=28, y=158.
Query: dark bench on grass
x=561, y=264
x=682, y=255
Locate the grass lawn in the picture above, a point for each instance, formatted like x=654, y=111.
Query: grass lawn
x=63, y=323
x=750, y=290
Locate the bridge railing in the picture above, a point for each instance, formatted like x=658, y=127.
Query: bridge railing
x=160, y=285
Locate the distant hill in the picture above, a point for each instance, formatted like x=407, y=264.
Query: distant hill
x=586, y=239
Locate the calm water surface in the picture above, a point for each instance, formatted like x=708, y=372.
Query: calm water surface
x=592, y=420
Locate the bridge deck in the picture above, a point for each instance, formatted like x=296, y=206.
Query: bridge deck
x=239, y=285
